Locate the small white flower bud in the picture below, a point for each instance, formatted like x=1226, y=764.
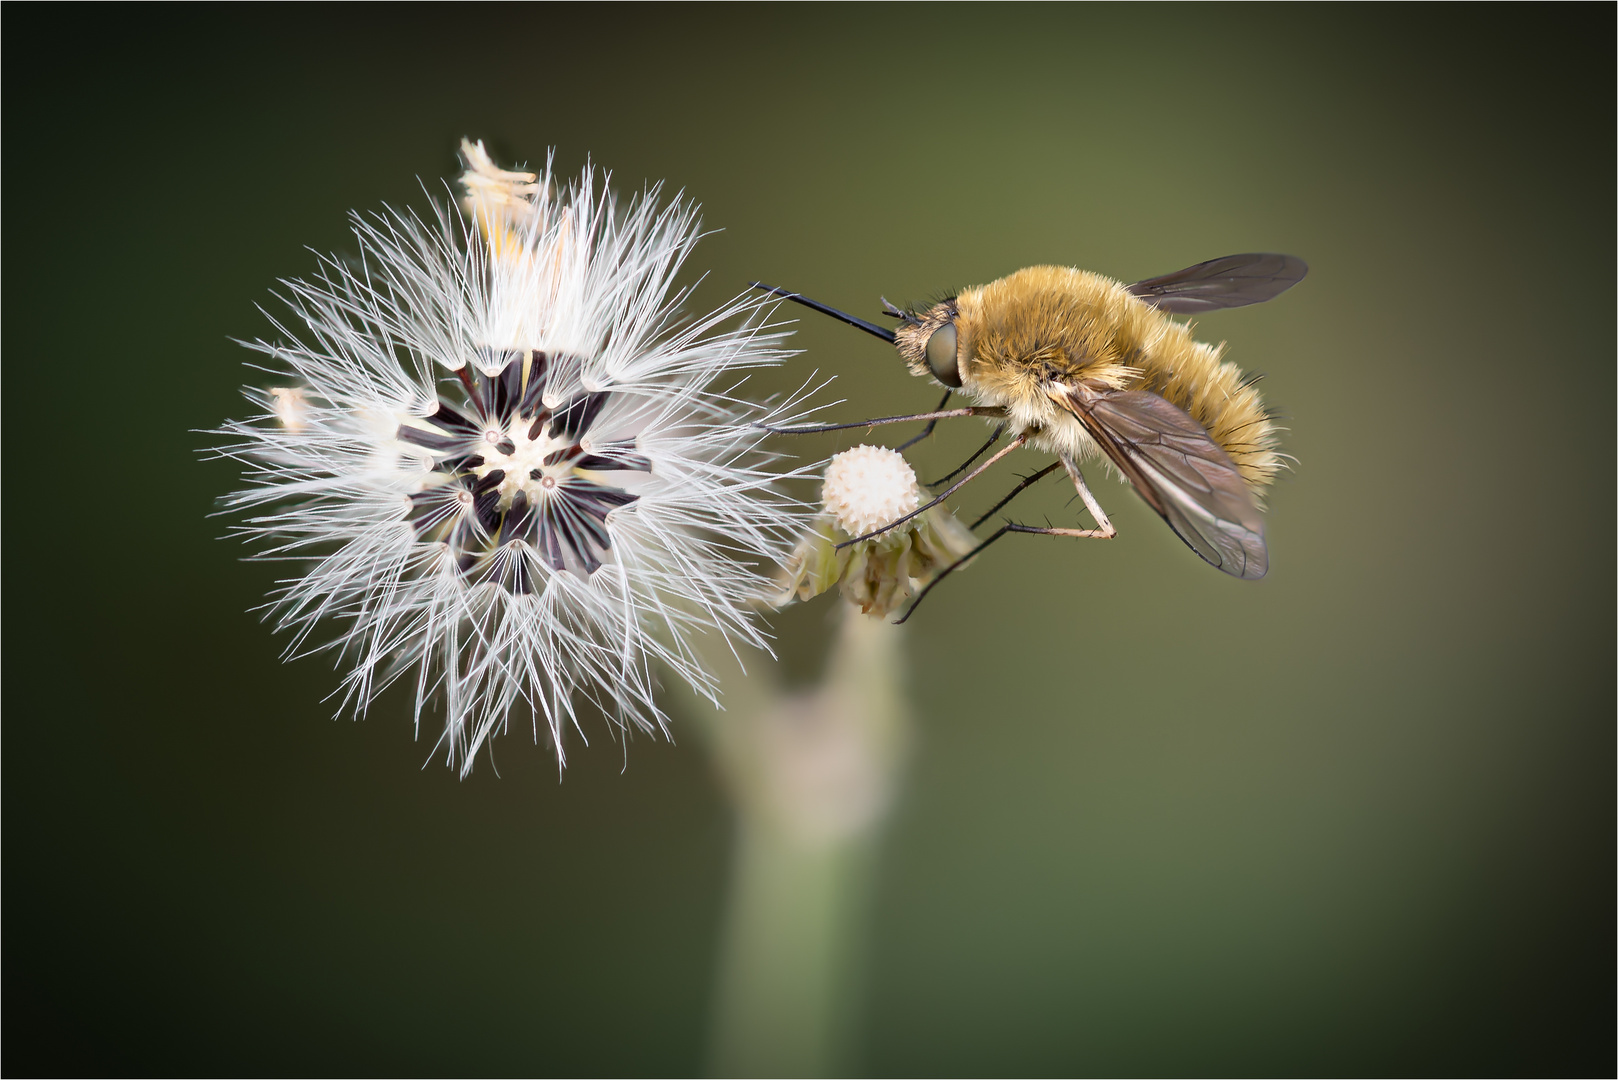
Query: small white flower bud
x=869, y=486
x=866, y=488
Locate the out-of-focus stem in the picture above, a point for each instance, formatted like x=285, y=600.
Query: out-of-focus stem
x=789, y=965
x=812, y=777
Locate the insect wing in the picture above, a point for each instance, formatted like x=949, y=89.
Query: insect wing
x=1181, y=473
x=1234, y=281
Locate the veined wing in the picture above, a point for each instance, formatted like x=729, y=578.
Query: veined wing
x=1234, y=281
x=1179, y=470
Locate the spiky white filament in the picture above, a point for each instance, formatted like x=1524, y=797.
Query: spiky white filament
x=329, y=481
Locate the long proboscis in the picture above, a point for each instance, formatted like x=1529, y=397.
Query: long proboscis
x=869, y=328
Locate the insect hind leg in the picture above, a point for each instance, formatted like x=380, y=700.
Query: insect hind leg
x=1045, y=530
x=1009, y=527
x=1027, y=482
x=1103, y=531
x=948, y=570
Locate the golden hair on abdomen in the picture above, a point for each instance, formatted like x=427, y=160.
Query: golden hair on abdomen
x=1052, y=323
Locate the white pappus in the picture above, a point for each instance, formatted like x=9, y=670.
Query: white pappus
x=504, y=462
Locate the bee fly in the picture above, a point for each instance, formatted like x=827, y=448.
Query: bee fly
x=1079, y=366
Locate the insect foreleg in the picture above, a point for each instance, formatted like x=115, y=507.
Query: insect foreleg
x=928, y=430
x=952, y=489
x=942, y=414
x=999, y=431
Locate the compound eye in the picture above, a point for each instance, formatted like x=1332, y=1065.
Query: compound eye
x=941, y=356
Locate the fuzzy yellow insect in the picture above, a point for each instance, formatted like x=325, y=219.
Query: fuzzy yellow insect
x=1079, y=365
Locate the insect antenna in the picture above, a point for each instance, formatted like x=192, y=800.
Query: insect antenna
x=861, y=324
x=892, y=311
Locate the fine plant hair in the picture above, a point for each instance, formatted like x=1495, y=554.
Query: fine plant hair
x=539, y=328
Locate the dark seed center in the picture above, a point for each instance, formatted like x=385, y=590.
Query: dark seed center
x=516, y=486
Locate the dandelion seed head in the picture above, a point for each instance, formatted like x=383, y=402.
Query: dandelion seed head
x=509, y=470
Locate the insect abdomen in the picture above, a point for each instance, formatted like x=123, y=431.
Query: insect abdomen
x=1216, y=394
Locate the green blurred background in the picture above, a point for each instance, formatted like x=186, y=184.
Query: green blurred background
x=1356, y=818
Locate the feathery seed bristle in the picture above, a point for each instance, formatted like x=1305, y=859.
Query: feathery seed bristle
x=515, y=385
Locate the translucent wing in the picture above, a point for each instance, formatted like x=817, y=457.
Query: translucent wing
x=1234, y=281
x=1180, y=472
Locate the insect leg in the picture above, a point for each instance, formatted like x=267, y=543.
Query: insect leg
x=1027, y=482
x=1105, y=529
x=952, y=489
x=1087, y=534
x=940, y=414
x=950, y=569
x=928, y=430
x=999, y=431
x=1104, y=532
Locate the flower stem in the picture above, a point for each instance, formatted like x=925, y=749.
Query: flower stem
x=812, y=778
x=789, y=959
